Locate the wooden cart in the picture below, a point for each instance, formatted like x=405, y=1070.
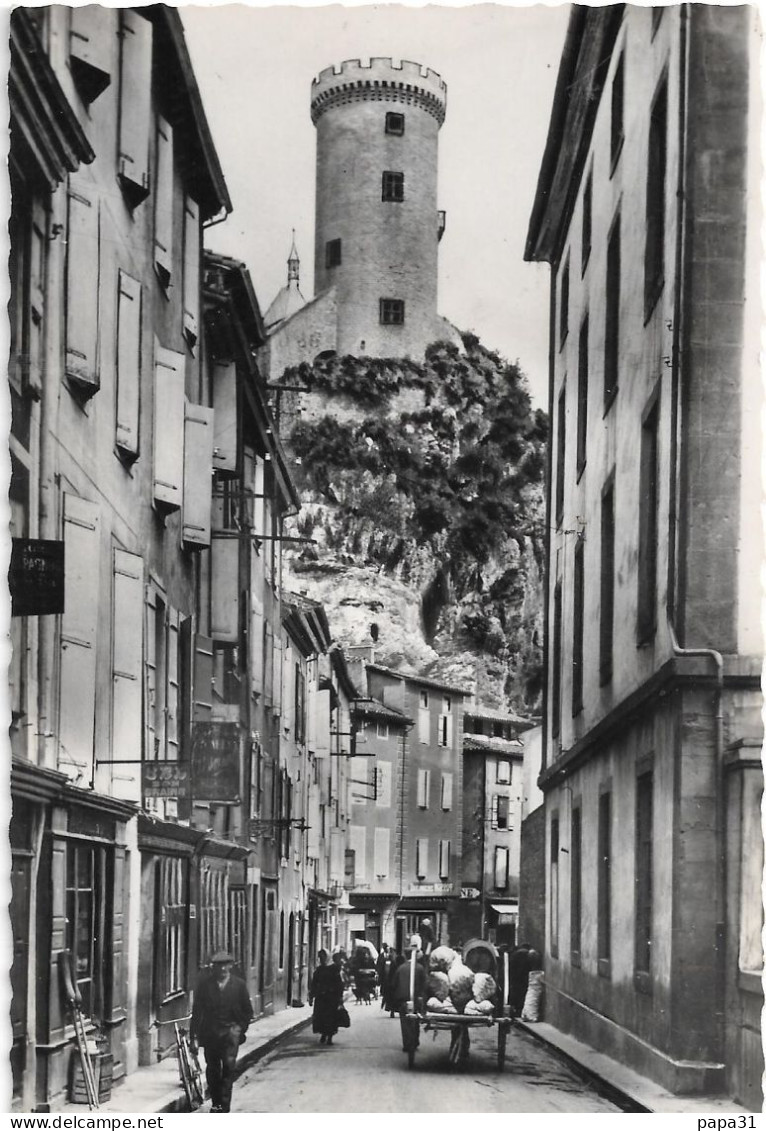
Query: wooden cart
x=458, y=1025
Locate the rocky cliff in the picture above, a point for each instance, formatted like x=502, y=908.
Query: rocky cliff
x=422, y=487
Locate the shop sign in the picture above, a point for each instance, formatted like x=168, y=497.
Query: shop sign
x=36, y=577
x=469, y=893
x=215, y=760
x=165, y=779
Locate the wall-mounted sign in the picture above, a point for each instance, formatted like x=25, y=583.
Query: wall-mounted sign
x=469, y=893
x=215, y=759
x=165, y=779
x=36, y=577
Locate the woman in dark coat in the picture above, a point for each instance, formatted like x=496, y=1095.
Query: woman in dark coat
x=326, y=995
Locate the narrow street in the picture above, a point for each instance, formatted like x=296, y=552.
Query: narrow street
x=365, y=1070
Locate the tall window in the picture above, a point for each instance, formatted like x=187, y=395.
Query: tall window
x=643, y=875
x=561, y=443
x=618, y=110
x=582, y=396
x=500, y=811
x=553, y=887
x=424, y=788
x=392, y=311
x=648, y=517
x=606, y=612
x=444, y=859
x=393, y=187
x=604, y=880
x=501, y=868
x=444, y=730
x=578, y=627
x=575, y=886
x=332, y=253
x=654, y=255
x=421, y=857
x=171, y=904
x=86, y=922
x=564, y=304
x=556, y=664
x=612, y=327
x=424, y=718
x=587, y=221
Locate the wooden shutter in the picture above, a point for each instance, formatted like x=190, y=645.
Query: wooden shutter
x=117, y=998
x=493, y=816
x=424, y=724
x=202, y=695
x=225, y=424
x=382, y=846
x=421, y=862
x=198, y=474
x=163, y=204
x=77, y=692
x=191, y=284
x=224, y=587
x=169, y=403
x=423, y=788
x=135, y=105
x=38, y=256
x=172, y=697
x=128, y=362
x=446, y=791
x=501, y=868
x=444, y=859
x=322, y=723
x=92, y=52
x=150, y=675
x=127, y=657
x=357, y=842
x=385, y=773
x=312, y=844
x=257, y=673
x=82, y=289
x=277, y=676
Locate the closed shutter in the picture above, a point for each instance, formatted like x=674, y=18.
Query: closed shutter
x=82, y=289
x=421, y=857
x=382, y=846
x=173, y=696
x=357, y=842
x=127, y=656
x=322, y=724
x=424, y=781
x=135, y=105
x=198, y=475
x=117, y=996
x=277, y=677
x=77, y=693
x=163, y=203
x=385, y=774
x=225, y=425
x=202, y=696
x=446, y=791
x=191, y=285
x=501, y=868
x=224, y=587
x=128, y=362
x=424, y=724
x=338, y=855
x=259, y=501
x=92, y=54
x=314, y=830
x=38, y=254
x=169, y=403
x=444, y=859
x=268, y=662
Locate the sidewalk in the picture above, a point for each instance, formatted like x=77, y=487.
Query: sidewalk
x=157, y=1087
x=642, y=1093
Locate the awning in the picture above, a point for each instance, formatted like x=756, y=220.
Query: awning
x=505, y=908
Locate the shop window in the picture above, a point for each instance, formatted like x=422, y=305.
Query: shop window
x=171, y=926
x=87, y=925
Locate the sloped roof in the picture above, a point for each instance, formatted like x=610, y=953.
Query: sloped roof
x=289, y=301
x=492, y=745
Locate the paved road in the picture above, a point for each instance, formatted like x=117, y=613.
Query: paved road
x=365, y=1070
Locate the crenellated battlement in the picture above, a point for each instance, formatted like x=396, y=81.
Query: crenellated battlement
x=381, y=79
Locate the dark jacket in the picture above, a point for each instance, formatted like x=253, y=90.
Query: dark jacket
x=400, y=988
x=218, y=1011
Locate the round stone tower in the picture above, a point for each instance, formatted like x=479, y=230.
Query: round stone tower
x=377, y=224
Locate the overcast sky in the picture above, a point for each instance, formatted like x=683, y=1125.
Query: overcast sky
x=254, y=66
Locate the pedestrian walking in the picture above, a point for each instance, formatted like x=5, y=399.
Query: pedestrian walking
x=400, y=989
x=326, y=995
x=220, y=1018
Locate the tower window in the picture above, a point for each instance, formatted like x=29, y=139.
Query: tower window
x=332, y=253
x=395, y=124
x=392, y=311
x=393, y=187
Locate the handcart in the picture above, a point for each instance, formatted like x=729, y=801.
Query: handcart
x=458, y=1024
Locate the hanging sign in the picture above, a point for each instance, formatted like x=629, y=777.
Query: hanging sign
x=36, y=577
x=215, y=760
x=165, y=779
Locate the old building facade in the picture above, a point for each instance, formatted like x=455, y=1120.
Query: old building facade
x=651, y=767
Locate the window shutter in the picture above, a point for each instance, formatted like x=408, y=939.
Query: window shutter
x=312, y=844
x=117, y=1005
x=424, y=725
x=91, y=47
x=382, y=844
x=225, y=429
x=494, y=811
x=501, y=868
x=202, y=696
x=259, y=501
x=191, y=271
x=224, y=582
x=449, y=730
x=82, y=289
x=446, y=791
x=77, y=701
x=38, y=254
x=423, y=784
x=444, y=859
x=169, y=404
x=277, y=678
x=163, y=204
x=172, y=696
x=198, y=474
x=357, y=838
x=421, y=867
x=128, y=362
x=322, y=724
x=135, y=105
x=256, y=636
x=127, y=657
x=384, y=771
x=150, y=676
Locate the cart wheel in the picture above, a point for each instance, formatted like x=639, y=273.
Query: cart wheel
x=502, y=1037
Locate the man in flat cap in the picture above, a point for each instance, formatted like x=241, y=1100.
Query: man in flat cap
x=221, y=1014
